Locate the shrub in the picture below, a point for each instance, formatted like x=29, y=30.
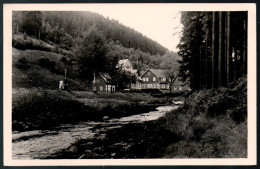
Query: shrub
x=43, y=110
x=24, y=42
x=22, y=63
x=46, y=63
x=212, y=123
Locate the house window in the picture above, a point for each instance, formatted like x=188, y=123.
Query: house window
x=149, y=73
x=180, y=88
x=94, y=88
x=174, y=88
x=113, y=88
x=144, y=79
x=147, y=79
x=108, y=88
x=101, y=88
x=163, y=86
x=163, y=79
x=154, y=86
x=154, y=79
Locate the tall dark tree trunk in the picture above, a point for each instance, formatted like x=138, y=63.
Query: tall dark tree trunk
x=244, y=69
x=220, y=51
x=224, y=49
x=206, y=62
x=228, y=48
x=213, y=49
x=200, y=72
x=235, y=64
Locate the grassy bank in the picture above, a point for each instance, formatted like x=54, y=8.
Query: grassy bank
x=40, y=69
x=44, y=109
x=211, y=124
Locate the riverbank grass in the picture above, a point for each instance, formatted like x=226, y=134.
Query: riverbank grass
x=45, y=109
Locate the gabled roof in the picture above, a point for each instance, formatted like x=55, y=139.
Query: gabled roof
x=175, y=77
x=158, y=72
x=177, y=81
x=105, y=76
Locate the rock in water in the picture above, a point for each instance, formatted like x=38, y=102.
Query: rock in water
x=105, y=117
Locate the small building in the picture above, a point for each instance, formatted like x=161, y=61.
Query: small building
x=156, y=79
x=178, y=86
x=102, y=83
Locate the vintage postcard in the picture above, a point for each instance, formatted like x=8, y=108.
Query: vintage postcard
x=129, y=84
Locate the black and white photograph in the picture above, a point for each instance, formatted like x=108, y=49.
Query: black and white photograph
x=130, y=82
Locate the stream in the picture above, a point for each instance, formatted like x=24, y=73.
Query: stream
x=39, y=144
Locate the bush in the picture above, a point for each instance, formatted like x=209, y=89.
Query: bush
x=46, y=63
x=24, y=42
x=41, y=109
x=22, y=63
x=212, y=123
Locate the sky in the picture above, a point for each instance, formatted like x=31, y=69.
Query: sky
x=160, y=22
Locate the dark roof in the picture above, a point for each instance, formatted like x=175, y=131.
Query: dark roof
x=177, y=81
x=159, y=72
x=105, y=76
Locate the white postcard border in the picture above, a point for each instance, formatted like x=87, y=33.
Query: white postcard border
x=7, y=91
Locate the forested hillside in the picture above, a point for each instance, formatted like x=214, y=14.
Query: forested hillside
x=89, y=42
x=68, y=28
